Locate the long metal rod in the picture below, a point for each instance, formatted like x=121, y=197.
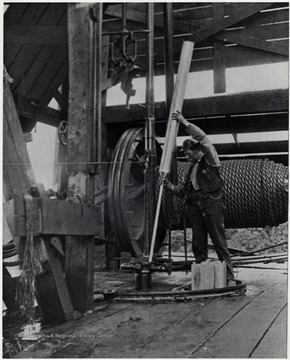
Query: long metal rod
x=172, y=128
x=98, y=72
x=156, y=222
x=184, y=239
x=169, y=81
x=168, y=52
x=124, y=14
x=169, y=242
x=145, y=31
x=150, y=133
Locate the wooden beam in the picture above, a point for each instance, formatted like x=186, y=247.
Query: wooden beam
x=17, y=170
x=82, y=144
x=236, y=124
x=252, y=147
x=253, y=42
x=257, y=102
x=55, y=217
x=219, y=66
x=41, y=113
x=79, y=263
x=51, y=290
x=33, y=34
x=134, y=15
x=62, y=102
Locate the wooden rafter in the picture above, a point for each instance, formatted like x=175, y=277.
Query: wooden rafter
x=33, y=34
x=41, y=113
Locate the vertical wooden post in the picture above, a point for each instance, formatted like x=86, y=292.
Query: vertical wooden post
x=79, y=265
x=18, y=179
x=84, y=141
x=219, y=69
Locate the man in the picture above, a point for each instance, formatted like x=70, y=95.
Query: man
x=202, y=189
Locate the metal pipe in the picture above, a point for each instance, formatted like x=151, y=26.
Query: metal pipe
x=150, y=138
x=98, y=72
x=172, y=128
x=184, y=239
x=176, y=105
x=264, y=260
x=156, y=223
x=150, y=149
x=168, y=54
x=124, y=20
x=145, y=31
x=267, y=248
x=169, y=242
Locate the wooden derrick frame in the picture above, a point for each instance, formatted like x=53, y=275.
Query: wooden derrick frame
x=38, y=62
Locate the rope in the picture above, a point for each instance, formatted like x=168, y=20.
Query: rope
x=11, y=263
x=254, y=194
x=26, y=286
x=8, y=246
x=8, y=254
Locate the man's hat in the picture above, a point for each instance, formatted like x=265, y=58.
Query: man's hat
x=189, y=144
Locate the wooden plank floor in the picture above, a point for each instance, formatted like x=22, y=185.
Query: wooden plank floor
x=242, y=326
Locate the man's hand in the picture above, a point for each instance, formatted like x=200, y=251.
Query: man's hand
x=168, y=184
x=179, y=117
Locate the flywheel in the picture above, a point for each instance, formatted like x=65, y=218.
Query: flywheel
x=126, y=193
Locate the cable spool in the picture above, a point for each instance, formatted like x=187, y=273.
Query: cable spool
x=254, y=194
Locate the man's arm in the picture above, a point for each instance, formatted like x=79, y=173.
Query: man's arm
x=196, y=133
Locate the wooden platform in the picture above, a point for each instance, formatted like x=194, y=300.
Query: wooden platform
x=243, y=326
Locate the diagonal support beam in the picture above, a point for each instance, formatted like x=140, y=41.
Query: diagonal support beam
x=253, y=42
x=244, y=12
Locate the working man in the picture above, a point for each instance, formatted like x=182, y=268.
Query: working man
x=202, y=189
